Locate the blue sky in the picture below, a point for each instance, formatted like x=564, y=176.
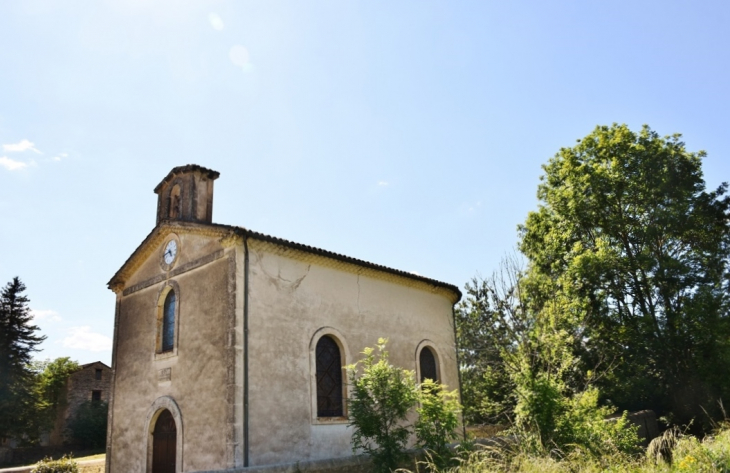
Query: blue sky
x=406, y=133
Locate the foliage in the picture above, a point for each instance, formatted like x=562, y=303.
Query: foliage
x=438, y=418
x=17, y=341
x=51, y=380
x=66, y=464
x=687, y=454
x=628, y=255
x=381, y=397
x=490, y=322
x=88, y=427
x=543, y=393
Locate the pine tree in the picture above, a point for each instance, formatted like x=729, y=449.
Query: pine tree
x=17, y=341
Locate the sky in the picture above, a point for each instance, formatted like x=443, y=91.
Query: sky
x=405, y=133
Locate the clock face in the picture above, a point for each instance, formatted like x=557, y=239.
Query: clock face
x=170, y=252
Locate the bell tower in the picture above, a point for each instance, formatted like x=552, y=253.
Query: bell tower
x=186, y=194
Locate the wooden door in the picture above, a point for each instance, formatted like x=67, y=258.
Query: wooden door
x=164, y=444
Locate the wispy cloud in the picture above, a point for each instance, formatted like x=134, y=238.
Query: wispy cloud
x=23, y=145
x=59, y=157
x=83, y=338
x=50, y=315
x=383, y=184
x=11, y=164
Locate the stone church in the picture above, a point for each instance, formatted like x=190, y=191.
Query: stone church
x=229, y=344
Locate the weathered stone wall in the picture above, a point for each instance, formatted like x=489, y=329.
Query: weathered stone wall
x=79, y=388
x=195, y=376
x=291, y=300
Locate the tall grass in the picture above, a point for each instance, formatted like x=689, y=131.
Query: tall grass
x=672, y=452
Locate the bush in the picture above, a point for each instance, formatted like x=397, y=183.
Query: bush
x=438, y=418
x=382, y=396
x=66, y=464
x=88, y=427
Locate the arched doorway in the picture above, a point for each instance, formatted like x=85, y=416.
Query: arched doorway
x=164, y=444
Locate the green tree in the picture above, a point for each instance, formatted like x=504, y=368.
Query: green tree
x=491, y=322
x=636, y=248
x=51, y=380
x=543, y=389
x=381, y=397
x=17, y=342
x=88, y=427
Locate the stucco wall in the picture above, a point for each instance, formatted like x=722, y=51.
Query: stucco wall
x=199, y=371
x=290, y=300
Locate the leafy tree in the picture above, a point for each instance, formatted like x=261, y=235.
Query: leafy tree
x=17, y=341
x=631, y=252
x=50, y=383
x=382, y=395
x=88, y=427
x=491, y=322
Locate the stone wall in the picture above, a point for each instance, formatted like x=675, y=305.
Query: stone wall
x=79, y=388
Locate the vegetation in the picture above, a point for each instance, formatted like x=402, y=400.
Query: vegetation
x=619, y=301
x=62, y=465
x=632, y=251
x=50, y=381
x=382, y=396
x=17, y=342
x=674, y=452
x=381, y=400
x=88, y=427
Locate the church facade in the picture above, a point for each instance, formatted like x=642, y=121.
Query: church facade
x=229, y=344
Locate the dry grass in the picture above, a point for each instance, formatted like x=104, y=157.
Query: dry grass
x=674, y=452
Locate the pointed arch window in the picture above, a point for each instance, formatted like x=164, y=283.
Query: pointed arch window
x=427, y=363
x=329, y=378
x=168, y=322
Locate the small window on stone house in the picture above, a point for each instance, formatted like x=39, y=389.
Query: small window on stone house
x=97, y=374
x=96, y=396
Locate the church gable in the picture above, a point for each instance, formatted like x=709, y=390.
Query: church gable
x=234, y=341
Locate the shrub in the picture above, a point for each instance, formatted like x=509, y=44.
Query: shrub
x=382, y=395
x=438, y=418
x=88, y=427
x=66, y=464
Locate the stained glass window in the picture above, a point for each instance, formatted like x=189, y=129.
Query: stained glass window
x=329, y=378
x=168, y=322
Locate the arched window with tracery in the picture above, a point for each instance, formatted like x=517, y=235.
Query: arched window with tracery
x=329, y=378
x=427, y=364
x=168, y=322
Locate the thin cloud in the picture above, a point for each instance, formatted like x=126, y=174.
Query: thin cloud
x=56, y=158
x=11, y=164
x=383, y=183
x=83, y=338
x=50, y=315
x=23, y=145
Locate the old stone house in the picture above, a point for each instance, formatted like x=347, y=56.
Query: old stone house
x=229, y=344
x=92, y=382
